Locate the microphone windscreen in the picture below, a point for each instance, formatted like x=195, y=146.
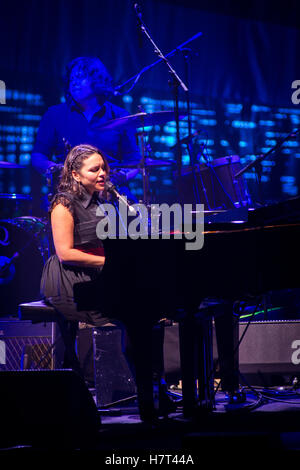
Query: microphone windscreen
x=109, y=186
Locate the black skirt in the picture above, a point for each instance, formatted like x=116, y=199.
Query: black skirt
x=57, y=285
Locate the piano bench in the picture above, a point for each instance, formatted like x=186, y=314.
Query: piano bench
x=41, y=312
x=37, y=312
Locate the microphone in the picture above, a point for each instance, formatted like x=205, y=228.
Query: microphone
x=106, y=91
x=188, y=50
x=110, y=187
x=139, y=21
x=187, y=139
x=116, y=92
x=137, y=10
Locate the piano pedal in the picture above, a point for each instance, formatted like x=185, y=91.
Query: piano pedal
x=236, y=397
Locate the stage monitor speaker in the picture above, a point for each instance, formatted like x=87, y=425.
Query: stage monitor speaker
x=47, y=409
x=269, y=353
x=113, y=378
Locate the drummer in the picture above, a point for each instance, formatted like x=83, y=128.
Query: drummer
x=88, y=90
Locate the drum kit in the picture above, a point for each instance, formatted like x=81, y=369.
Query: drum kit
x=140, y=121
x=25, y=240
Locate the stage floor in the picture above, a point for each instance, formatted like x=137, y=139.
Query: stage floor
x=265, y=425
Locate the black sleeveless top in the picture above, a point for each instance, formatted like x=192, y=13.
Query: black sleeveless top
x=58, y=279
x=84, y=211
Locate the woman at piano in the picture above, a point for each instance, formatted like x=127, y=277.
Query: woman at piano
x=79, y=258
x=79, y=254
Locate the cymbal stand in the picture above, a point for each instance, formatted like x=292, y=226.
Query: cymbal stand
x=190, y=146
x=143, y=166
x=136, y=77
x=256, y=164
x=53, y=173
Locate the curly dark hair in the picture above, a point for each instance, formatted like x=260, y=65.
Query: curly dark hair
x=92, y=67
x=74, y=160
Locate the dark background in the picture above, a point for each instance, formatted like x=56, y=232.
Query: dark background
x=239, y=71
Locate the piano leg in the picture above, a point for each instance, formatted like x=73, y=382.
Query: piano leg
x=145, y=355
x=227, y=335
x=158, y=336
x=205, y=369
x=147, y=365
x=188, y=360
x=195, y=341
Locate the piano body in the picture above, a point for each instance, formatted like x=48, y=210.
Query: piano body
x=146, y=280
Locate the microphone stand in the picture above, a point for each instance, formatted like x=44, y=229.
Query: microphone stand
x=190, y=145
x=176, y=83
x=145, y=171
x=138, y=75
x=256, y=164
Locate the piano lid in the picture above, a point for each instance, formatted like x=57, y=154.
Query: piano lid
x=237, y=215
x=286, y=211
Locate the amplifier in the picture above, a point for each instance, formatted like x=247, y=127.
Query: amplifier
x=24, y=345
x=269, y=353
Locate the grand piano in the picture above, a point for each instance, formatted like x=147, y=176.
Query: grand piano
x=144, y=281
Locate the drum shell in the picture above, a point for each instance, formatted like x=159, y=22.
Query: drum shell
x=14, y=205
x=24, y=240
x=215, y=185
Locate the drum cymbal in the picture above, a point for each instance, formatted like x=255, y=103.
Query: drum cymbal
x=15, y=196
x=138, y=163
x=10, y=165
x=139, y=120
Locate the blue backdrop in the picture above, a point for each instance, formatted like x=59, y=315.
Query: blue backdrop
x=239, y=74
